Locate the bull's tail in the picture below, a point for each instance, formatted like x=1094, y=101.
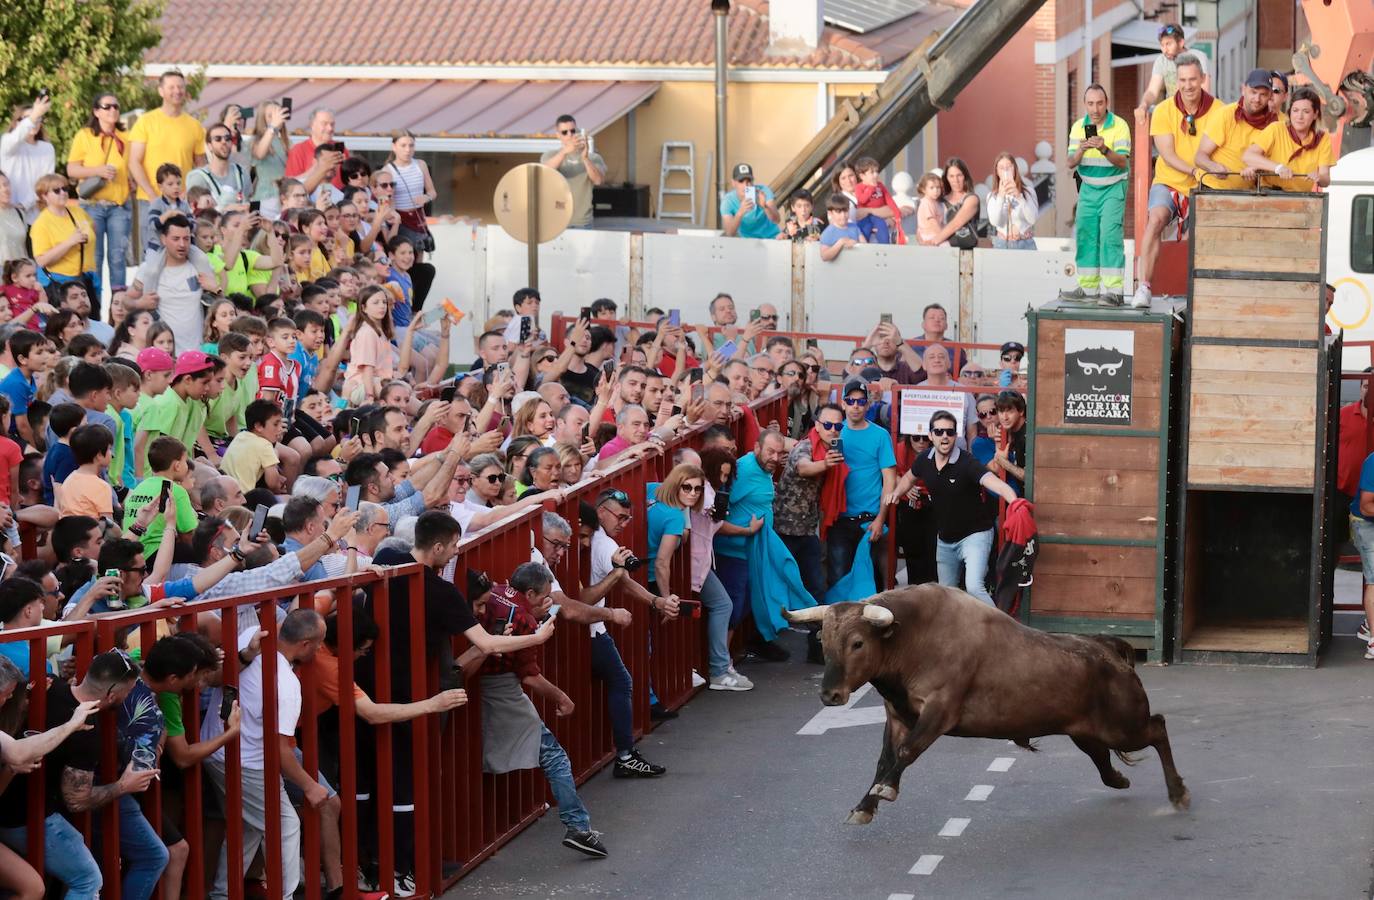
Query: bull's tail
x=1122, y=648
x=1129, y=759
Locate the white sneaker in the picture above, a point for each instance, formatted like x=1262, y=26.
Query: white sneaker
x=697, y=680
x=731, y=681
x=1142, y=297
x=1363, y=634
x=1368, y=651
x=404, y=885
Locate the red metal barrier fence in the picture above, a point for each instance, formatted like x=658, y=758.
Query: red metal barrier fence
x=461, y=815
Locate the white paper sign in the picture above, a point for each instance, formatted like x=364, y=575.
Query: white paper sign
x=919, y=404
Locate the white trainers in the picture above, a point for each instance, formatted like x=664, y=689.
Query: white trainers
x=1142, y=297
x=697, y=680
x=731, y=681
x=1363, y=634
x=1368, y=651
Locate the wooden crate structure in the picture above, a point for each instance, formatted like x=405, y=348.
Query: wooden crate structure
x=1101, y=478
x=1261, y=379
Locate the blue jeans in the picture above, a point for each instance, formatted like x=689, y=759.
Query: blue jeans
x=733, y=574
x=65, y=856
x=806, y=550
x=1002, y=243
x=973, y=552
x=719, y=610
x=608, y=666
x=112, y=228
x=141, y=850
x=874, y=229
x=558, y=770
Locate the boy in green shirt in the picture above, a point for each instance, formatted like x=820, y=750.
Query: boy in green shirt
x=225, y=418
x=168, y=461
x=177, y=412
x=123, y=398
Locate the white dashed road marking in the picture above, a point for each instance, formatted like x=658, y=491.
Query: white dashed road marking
x=954, y=827
x=1001, y=764
x=979, y=792
x=926, y=864
x=901, y=897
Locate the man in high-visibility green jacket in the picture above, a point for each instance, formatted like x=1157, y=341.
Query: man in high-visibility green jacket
x=1100, y=149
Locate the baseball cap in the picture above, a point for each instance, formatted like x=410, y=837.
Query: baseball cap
x=855, y=384
x=191, y=362
x=1259, y=78
x=155, y=359
x=742, y=171
x=1009, y=346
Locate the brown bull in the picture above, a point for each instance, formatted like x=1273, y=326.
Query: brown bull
x=944, y=663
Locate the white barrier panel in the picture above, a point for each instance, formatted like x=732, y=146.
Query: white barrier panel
x=849, y=294
x=575, y=268
x=685, y=272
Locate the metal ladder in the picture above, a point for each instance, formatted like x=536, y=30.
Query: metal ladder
x=668, y=167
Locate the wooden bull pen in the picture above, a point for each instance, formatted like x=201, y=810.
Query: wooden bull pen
x=1259, y=433
x=1101, y=489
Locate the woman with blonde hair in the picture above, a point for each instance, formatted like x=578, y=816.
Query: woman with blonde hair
x=570, y=463
x=1012, y=207
x=269, y=150
x=678, y=513
x=535, y=419
x=63, y=237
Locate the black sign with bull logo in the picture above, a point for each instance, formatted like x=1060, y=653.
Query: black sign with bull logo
x=1097, y=376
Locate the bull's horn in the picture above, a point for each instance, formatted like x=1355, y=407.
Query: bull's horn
x=810, y=614
x=878, y=615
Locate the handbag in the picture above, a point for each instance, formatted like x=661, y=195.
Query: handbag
x=966, y=238
x=413, y=220
x=55, y=285
x=89, y=186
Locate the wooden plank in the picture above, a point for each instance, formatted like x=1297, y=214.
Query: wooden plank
x=1093, y=596
x=1248, y=477
x=1259, y=636
x=1223, y=257
x=1264, y=407
x=1259, y=235
x=1255, y=359
x=1258, y=206
x=1095, y=559
x=1253, y=289
x=1226, y=453
x=1072, y=486
x=1097, y=521
x=1257, y=327
x=1243, y=218
x=1251, y=429
x=1062, y=451
x=1253, y=384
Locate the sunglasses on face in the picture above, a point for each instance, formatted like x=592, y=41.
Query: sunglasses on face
x=58, y=190
x=855, y=401
x=108, y=106
x=1011, y=357
x=495, y=477
x=692, y=488
x=830, y=426
x=464, y=482
x=220, y=139
x=943, y=432
x=567, y=131
x=862, y=361
x=987, y=415
x=384, y=184
x=812, y=368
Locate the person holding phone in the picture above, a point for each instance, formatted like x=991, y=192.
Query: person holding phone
x=1012, y=207
x=579, y=164
x=1100, y=155
x=748, y=209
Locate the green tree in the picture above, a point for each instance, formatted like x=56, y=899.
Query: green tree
x=75, y=48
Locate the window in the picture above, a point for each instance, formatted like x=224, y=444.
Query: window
x=1362, y=234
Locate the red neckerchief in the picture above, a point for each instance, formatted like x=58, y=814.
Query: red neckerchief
x=832, y=491
x=1257, y=122
x=1313, y=138
x=1204, y=103
x=114, y=137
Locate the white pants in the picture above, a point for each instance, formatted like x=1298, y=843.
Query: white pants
x=255, y=827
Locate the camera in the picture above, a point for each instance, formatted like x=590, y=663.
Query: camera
x=634, y=562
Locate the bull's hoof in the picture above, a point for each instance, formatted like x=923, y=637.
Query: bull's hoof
x=1182, y=800
x=883, y=792
x=858, y=817
x=1115, y=779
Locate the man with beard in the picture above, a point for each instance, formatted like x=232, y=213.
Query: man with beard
x=629, y=392
x=226, y=181
x=762, y=371
x=801, y=401
x=1234, y=130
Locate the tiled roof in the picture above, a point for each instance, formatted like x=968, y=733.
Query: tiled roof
x=481, y=32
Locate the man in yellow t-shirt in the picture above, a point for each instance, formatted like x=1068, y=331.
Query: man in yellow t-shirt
x=1232, y=133
x=1177, y=127
x=165, y=135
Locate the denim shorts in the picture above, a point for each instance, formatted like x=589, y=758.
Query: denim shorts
x=1161, y=197
x=1362, y=531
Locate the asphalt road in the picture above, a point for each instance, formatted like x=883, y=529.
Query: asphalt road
x=1278, y=762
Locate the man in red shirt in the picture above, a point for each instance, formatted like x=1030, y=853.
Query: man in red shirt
x=1356, y=443
x=455, y=421
x=301, y=162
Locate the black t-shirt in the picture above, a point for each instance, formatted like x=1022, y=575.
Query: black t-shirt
x=447, y=613
x=1016, y=452
x=582, y=385
x=961, y=507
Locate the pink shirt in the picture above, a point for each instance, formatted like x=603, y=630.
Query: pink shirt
x=368, y=348
x=612, y=447
x=703, y=529
x=929, y=221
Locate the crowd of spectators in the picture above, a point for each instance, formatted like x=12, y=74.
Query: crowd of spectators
x=269, y=401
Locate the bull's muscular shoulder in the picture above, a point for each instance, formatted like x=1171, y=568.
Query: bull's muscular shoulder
x=938, y=606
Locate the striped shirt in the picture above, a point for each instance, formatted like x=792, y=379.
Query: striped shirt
x=1094, y=168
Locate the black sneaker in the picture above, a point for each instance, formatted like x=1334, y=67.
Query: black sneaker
x=659, y=713
x=770, y=651
x=588, y=842
x=636, y=766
